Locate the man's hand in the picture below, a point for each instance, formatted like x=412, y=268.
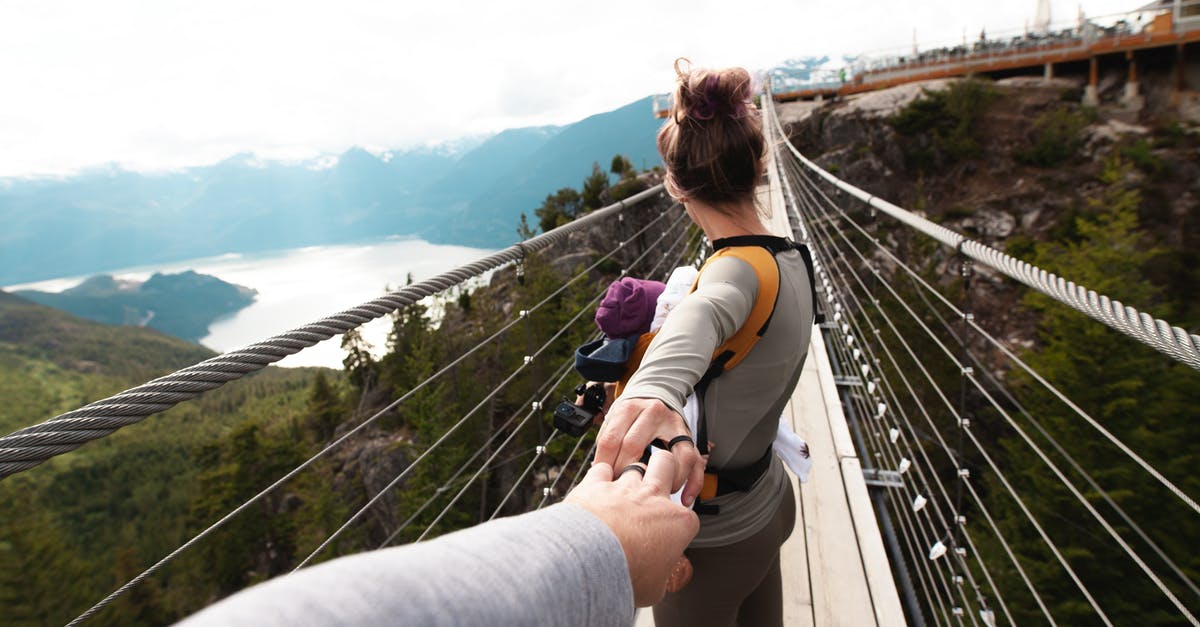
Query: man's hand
x=632, y=424
x=653, y=530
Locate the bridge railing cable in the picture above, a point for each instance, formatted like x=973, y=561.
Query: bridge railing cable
x=1125, y=449
x=877, y=409
x=841, y=268
x=610, y=211
x=28, y=447
x=1153, y=332
x=808, y=185
x=997, y=387
x=537, y=406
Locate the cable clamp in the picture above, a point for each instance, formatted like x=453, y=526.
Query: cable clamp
x=528, y=359
x=964, y=473
x=524, y=313
x=521, y=264
x=545, y=492
x=536, y=405
x=540, y=449
x=960, y=520
x=957, y=579
x=957, y=611
x=968, y=371
x=960, y=551
x=964, y=423
x=968, y=316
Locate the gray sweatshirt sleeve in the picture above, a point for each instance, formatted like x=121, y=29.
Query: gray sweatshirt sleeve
x=682, y=350
x=557, y=566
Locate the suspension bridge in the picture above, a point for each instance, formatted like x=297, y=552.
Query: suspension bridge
x=901, y=521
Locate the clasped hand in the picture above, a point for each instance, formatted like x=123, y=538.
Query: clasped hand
x=630, y=425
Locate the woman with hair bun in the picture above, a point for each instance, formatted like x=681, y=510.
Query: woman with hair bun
x=713, y=147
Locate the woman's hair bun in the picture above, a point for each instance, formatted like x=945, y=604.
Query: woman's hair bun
x=706, y=94
x=712, y=143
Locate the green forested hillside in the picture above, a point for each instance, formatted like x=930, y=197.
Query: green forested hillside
x=75, y=527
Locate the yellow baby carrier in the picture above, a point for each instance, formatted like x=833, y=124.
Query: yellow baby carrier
x=759, y=252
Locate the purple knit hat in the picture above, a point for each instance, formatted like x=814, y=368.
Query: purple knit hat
x=628, y=307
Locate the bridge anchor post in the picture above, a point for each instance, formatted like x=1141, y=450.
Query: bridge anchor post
x=1132, y=100
x=1091, y=97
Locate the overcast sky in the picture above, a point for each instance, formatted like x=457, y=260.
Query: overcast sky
x=160, y=84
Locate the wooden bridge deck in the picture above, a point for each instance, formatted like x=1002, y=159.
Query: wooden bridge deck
x=835, y=568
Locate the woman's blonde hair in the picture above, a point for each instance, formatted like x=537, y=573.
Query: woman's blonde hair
x=712, y=142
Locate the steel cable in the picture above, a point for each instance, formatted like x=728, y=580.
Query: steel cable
x=1154, y=472
x=978, y=445
x=937, y=434
x=28, y=447
x=1058, y=473
x=1156, y=333
x=229, y=516
x=499, y=388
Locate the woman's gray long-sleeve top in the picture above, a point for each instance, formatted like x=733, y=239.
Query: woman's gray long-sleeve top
x=743, y=405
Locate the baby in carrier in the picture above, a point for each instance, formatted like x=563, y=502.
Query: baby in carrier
x=628, y=315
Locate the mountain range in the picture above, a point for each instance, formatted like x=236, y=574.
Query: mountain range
x=108, y=218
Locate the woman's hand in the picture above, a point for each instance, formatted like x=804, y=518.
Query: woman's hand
x=632, y=424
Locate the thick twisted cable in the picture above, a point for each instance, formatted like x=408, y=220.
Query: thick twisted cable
x=1153, y=332
x=28, y=447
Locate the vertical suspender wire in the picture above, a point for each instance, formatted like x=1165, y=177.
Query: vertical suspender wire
x=445, y=436
x=533, y=409
x=1008, y=486
x=964, y=420
x=1158, y=476
x=511, y=377
x=966, y=317
x=544, y=391
x=1000, y=537
x=908, y=514
x=908, y=517
x=892, y=460
x=547, y=491
x=287, y=477
x=525, y=473
x=1092, y=484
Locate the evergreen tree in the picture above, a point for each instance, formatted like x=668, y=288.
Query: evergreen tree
x=594, y=187
x=324, y=408
x=622, y=167
x=1141, y=396
x=559, y=208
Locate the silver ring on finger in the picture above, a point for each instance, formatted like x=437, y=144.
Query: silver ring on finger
x=679, y=439
x=638, y=467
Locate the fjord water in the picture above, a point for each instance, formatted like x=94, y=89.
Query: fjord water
x=299, y=286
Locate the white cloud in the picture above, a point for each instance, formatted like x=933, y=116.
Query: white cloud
x=166, y=83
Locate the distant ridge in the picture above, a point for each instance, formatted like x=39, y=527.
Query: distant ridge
x=182, y=305
x=107, y=219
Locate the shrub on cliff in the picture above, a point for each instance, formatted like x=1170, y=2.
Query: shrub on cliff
x=942, y=123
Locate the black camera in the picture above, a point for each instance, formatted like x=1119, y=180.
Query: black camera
x=576, y=419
